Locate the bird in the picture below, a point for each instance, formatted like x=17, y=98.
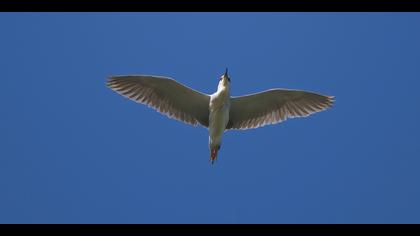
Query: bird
x=219, y=112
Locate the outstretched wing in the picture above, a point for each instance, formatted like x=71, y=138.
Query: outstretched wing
x=274, y=106
x=166, y=96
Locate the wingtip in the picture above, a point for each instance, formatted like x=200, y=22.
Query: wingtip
x=331, y=100
x=112, y=83
x=108, y=80
x=111, y=77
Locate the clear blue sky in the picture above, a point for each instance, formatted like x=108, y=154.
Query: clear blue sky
x=74, y=151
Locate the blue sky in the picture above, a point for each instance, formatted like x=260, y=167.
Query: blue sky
x=73, y=151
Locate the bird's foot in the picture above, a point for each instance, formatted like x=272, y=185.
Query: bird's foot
x=213, y=155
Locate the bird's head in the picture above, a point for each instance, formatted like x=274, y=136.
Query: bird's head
x=224, y=79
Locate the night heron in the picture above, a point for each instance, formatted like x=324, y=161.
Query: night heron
x=219, y=111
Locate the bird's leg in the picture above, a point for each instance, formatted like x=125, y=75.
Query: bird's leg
x=213, y=154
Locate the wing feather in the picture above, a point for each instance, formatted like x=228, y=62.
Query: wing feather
x=274, y=106
x=165, y=95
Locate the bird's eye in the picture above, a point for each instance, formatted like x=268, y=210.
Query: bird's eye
x=229, y=79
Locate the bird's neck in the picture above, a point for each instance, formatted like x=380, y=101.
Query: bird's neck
x=220, y=98
x=223, y=89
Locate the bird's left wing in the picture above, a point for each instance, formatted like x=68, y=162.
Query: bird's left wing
x=166, y=96
x=274, y=106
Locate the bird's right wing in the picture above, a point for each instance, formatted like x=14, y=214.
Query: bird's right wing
x=166, y=96
x=274, y=106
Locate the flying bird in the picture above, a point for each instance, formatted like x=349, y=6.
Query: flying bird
x=219, y=111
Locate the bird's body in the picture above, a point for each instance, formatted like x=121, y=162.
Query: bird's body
x=219, y=117
x=219, y=111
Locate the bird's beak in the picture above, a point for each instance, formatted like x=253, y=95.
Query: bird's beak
x=226, y=73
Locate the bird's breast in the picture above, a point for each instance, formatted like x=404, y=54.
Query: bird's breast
x=219, y=116
x=219, y=100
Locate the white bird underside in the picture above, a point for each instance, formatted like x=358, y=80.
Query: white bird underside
x=182, y=103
